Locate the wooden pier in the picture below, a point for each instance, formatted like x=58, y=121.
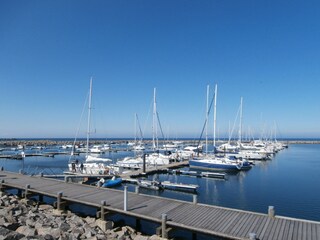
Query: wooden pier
x=168, y=213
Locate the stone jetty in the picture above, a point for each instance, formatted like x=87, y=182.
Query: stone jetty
x=26, y=219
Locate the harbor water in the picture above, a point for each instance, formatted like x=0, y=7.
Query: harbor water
x=289, y=182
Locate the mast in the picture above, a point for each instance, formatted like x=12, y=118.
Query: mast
x=135, y=129
x=215, y=115
x=89, y=117
x=207, y=115
x=154, y=121
x=240, y=123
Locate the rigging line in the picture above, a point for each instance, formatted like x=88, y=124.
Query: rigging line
x=79, y=125
x=234, y=123
x=160, y=125
x=147, y=119
x=205, y=122
x=140, y=131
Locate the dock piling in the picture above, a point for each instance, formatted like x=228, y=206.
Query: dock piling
x=137, y=189
x=164, y=225
x=66, y=178
x=252, y=236
x=195, y=199
x=103, y=204
x=144, y=163
x=125, y=198
x=2, y=193
x=60, y=203
x=26, y=191
x=271, y=211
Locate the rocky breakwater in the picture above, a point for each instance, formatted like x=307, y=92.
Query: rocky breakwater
x=26, y=219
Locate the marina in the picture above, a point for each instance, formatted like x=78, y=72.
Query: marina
x=168, y=213
x=253, y=190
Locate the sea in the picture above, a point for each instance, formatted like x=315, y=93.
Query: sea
x=289, y=181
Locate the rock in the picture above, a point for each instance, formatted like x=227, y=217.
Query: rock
x=140, y=237
x=27, y=231
x=32, y=221
x=43, y=230
x=45, y=207
x=64, y=227
x=9, y=235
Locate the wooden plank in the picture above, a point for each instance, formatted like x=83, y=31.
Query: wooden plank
x=265, y=227
x=233, y=218
x=282, y=229
x=296, y=230
x=190, y=214
x=239, y=224
x=314, y=231
x=246, y=230
x=305, y=234
x=202, y=216
x=179, y=212
x=274, y=233
x=224, y=220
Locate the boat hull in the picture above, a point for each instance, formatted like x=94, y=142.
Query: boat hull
x=209, y=165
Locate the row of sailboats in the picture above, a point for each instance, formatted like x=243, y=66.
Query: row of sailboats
x=225, y=161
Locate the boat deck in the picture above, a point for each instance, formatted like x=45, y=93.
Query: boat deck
x=199, y=218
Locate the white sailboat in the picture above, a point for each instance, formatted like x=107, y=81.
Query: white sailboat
x=92, y=164
x=156, y=158
x=212, y=162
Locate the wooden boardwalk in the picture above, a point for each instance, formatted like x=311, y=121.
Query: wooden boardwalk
x=199, y=218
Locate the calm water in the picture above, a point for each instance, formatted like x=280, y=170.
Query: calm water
x=289, y=182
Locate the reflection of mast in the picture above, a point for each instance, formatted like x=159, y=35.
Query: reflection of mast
x=89, y=116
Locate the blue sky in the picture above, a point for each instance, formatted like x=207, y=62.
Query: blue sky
x=267, y=52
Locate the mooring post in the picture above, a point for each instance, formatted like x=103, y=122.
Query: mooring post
x=144, y=163
x=26, y=191
x=1, y=188
x=125, y=198
x=164, y=225
x=137, y=189
x=195, y=199
x=271, y=211
x=252, y=236
x=103, y=204
x=59, y=196
x=66, y=178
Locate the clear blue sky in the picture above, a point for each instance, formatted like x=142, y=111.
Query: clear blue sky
x=267, y=52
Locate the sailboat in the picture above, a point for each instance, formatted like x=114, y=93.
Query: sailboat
x=92, y=164
x=156, y=158
x=212, y=162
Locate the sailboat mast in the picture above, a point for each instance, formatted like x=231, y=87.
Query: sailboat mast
x=154, y=121
x=135, y=129
x=89, y=117
x=207, y=115
x=240, y=124
x=215, y=115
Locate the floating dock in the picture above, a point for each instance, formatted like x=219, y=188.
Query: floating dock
x=168, y=213
x=198, y=174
